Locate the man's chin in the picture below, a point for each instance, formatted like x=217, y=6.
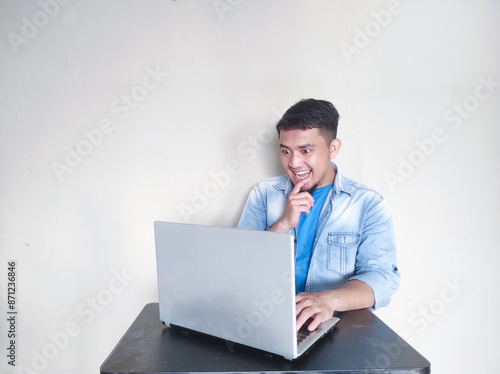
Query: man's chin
x=311, y=189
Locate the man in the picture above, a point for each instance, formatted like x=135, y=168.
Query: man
x=344, y=241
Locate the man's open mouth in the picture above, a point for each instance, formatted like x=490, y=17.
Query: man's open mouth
x=302, y=174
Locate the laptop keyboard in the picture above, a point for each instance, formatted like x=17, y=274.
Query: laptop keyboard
x=303, y=331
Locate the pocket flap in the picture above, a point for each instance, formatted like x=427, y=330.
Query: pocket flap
x=343, y=239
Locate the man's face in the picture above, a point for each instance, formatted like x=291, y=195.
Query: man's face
x=306, y=154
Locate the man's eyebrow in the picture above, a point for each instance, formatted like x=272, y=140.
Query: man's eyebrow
x=306, y=146
x=299, y=147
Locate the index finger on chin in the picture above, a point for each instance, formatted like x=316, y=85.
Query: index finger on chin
x=298, y=186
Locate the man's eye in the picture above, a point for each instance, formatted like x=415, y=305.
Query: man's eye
x=285, y=151
x=306, y=151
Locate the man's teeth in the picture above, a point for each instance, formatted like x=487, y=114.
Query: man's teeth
x=302, y=174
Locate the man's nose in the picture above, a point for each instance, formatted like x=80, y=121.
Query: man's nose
x=295, y=161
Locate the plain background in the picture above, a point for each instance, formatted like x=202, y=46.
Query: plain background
x=117, y=113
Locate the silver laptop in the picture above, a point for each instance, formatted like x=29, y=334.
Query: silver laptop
x=234, y=284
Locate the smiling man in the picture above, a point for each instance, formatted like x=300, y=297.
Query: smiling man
x=345, y=253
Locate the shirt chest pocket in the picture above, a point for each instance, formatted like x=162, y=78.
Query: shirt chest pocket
x=342, y=248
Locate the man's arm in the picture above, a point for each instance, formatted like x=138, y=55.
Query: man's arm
x=254, y=214
x=375, y=279
x=353, y=295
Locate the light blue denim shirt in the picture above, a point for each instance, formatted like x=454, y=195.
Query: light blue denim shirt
x=354, y=238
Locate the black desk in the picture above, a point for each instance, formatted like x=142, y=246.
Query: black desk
x=360, y=343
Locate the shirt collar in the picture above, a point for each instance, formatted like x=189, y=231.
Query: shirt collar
x=340, y=184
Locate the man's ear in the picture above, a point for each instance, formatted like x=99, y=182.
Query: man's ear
x=335, y=147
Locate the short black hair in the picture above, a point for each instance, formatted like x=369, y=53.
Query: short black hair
x=311, y=113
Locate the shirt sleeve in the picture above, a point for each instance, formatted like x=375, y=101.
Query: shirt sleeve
x=376, y=255
x=254, y=215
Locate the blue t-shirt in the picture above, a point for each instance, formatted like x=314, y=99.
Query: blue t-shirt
x=306, y=231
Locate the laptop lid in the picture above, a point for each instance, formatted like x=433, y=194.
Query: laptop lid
x=230, y=283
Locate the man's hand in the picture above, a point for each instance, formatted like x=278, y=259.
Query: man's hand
x=355, y=294
x=296, y=203
x=317, y=305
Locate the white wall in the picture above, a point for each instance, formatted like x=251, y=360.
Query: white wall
x=79, y=228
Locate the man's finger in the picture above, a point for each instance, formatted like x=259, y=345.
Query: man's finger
x=306, y=314
x=302, y=318
x=309, y=197
x=315, y=322
x=304, y=200
x=298, y=186
x=301, y=196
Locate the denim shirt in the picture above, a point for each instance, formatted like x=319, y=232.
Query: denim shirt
x=354, y=237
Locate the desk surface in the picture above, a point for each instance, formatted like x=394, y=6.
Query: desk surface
x=360, y=343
